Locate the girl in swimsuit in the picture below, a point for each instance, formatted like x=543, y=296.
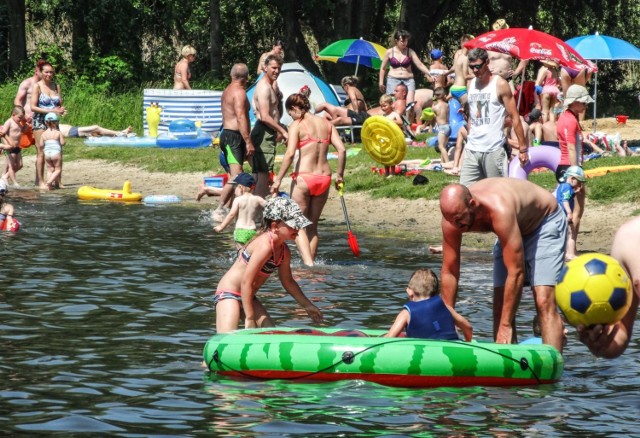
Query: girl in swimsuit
x=400, y=58
x=182, y=73
x=52, y=141
x=262, y=256
x=311, y=136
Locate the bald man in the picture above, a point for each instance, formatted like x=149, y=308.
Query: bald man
x=531, y=230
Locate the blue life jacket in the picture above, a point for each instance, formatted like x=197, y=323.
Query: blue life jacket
x=430, y=319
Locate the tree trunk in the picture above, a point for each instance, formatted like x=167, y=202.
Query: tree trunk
x=216, y=39
x=298, y=49
x=17, y=35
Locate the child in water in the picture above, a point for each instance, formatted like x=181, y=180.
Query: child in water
x=265, y=254
x=574, y=180
x=7, y=220
x=10, y=134
x=52, y=140
x=246, y=207
x=426, y=315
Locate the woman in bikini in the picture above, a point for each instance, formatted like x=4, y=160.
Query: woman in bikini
x=262, y=256
x=354, y=111
x=547, y=84
x=182, y=73
x=400, y=58
x=310, y=136
x=45, y=98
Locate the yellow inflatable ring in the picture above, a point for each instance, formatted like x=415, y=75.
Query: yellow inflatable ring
x=383, y=140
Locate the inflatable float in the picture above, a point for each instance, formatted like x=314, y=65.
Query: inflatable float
x=124, y=195
x=383, y=140
x=14, y=227
x=124, y=141
x=161, y=199
x=334, y=354
x=184, y=133
x=600, y=171
x=539, y=156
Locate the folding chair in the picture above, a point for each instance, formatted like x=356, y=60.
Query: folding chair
x=345, y=131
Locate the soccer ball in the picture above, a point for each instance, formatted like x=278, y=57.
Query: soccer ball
x=593, y=289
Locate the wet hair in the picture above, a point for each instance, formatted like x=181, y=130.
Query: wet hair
x=298, y=100
x=478, y=54
x=273, y=57
x=424, y=282
x=188, y=50
x=352, y=81
x=439, y=93
x=239, y=71
x=401, y=33
x=385, y=98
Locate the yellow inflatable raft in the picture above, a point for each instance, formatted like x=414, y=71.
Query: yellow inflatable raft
x=124, y=195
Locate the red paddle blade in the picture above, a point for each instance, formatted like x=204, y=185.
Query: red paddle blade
x=353, y=243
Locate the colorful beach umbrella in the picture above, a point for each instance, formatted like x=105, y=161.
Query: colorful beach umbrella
x=603, y=47
x=530, y=44
x=353, y=51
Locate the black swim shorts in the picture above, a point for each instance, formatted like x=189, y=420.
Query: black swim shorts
x=357, y=118
x=232, y=143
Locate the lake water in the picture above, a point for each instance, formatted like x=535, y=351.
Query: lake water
x=105, y=309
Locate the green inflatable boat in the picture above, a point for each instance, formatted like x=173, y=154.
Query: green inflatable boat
x=335, y=354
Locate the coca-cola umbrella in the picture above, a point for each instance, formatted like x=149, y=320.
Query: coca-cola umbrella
x=529, y=44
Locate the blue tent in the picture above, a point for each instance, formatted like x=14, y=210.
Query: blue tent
x=293, y=77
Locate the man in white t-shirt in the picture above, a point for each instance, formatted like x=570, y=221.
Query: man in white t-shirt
x=489, y=99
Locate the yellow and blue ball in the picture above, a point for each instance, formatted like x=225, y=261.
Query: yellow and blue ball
x=593, y=289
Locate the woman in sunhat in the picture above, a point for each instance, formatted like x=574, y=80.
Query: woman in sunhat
x=265, y=254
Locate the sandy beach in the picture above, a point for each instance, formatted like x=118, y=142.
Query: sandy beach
x=393, y=217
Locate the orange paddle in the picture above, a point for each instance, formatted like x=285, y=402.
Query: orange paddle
x=351, y=238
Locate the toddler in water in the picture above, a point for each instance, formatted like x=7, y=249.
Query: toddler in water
x=574, y=180
x=262, y=256
x=7, y=221
x=53, y=140
x=245, y=208
x=426, y=315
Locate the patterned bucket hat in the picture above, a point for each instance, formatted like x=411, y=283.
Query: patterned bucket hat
x=286, y=210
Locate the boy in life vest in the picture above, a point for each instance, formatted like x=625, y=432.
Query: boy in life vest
x=426, y=315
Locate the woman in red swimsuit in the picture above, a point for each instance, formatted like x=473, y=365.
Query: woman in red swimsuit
x=311, y=136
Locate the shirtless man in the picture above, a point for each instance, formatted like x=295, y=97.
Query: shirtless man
x=10, y=133
x=23, y=96
x=277, y=49
x=235, y=140
x=501, y=64
x=267, y=130
x=462, y=73
x=531, y=230
x=399, y=102
x=611, y=341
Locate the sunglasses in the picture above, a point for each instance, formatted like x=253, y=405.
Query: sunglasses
x=476, y=66
x=3, y=192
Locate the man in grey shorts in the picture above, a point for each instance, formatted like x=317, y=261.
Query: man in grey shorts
x=532, y=232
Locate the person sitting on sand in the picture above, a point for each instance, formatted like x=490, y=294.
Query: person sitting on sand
x=426, y=316
x=246, y=207
x=70, y=131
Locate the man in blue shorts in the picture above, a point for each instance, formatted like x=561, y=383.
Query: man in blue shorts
x=531, y=230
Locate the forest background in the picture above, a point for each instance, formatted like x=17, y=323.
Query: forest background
x=116, y=47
